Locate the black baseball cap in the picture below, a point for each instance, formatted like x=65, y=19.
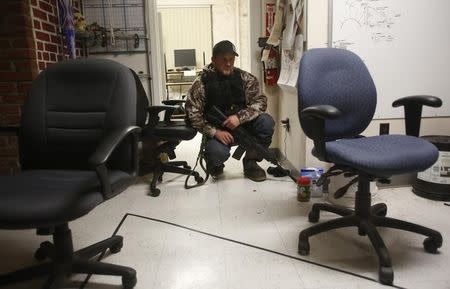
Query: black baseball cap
x=223, y=47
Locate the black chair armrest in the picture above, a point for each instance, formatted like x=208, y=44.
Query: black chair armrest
x=318, y=114
x=153, y=112
x=104, y=150
x=413, y=110
x=155, y=109
x=321, y=111
x=174, y=101
x=427, y=100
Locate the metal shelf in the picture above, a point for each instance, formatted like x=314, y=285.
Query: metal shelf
x=127, y=19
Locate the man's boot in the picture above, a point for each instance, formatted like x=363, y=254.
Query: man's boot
x=251, y=168
x=215, y=171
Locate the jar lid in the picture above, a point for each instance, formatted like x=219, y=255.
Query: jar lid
x=303, y=180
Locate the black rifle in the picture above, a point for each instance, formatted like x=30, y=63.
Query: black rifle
x=245, y=141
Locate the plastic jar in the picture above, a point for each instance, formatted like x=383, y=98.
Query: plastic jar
x=303, y=189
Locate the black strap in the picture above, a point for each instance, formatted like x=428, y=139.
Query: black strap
x=200, y=159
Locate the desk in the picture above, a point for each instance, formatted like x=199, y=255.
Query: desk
x=180, y=84
x=180, y=80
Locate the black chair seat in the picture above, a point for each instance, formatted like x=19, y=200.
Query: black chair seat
x=53, y=196
x=383, y=155
x=175, y=130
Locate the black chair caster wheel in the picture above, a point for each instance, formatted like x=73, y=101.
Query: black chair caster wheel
x=303, y=247
x=386, y=275
x=129, y=283
x=431, y=245
x=380, y=210
x=155, y=192
x=116, y=248
x=43, y=251
x=313, y=216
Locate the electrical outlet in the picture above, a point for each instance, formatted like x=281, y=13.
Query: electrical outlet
x=384, y=128
x=286, y=124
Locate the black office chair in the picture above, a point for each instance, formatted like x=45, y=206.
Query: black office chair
x=78, y=148
x=337, y=100
x=163, y=136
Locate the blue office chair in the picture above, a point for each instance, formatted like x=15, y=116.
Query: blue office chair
x=337, y=100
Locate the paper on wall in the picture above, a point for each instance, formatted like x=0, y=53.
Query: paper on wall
x=275, y=35
x=292, y=45
x=290, y=62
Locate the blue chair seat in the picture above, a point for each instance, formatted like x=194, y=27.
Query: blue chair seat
x=383, y=155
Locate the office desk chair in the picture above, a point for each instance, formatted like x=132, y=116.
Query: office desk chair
x=162, y=136
x=78, y=148
x=337, y=100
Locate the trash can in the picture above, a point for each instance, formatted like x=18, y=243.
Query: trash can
x=434, y=183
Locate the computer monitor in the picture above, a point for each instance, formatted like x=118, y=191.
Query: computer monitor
x=184, y=57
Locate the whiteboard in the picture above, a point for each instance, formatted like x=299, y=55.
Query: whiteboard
x=404, y=43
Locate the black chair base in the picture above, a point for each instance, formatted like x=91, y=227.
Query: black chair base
x=64, y=261
x=177, y=167
x=367, y=218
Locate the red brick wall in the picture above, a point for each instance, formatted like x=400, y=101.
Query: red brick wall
x=18, y=67
x=29, y=42
x=45, y=23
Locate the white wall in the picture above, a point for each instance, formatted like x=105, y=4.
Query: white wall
x=224, y=18
x=177, y=24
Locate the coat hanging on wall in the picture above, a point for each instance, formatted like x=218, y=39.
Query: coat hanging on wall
x=66, y=21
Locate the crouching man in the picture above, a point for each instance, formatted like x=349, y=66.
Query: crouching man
x=237, y=94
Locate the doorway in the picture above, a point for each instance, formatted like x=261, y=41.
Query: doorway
x=186, y=45
x=236, y=20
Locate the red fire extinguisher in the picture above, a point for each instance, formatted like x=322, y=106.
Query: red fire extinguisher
x=270, y=64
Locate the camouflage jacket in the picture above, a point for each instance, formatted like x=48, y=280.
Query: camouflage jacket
x=196, y=99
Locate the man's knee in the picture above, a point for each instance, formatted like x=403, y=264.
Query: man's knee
x=264, y=125
x=216, y=152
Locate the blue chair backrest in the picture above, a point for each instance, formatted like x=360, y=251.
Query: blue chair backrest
x=339, y=78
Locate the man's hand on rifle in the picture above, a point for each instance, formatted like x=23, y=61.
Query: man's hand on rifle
x=231, y=122
x=224, y=137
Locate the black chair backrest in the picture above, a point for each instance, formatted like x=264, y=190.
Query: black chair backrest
x=142, y=101
x=70, y=107
x=339, y=78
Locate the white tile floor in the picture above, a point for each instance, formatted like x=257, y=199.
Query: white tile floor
x=262, y=214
